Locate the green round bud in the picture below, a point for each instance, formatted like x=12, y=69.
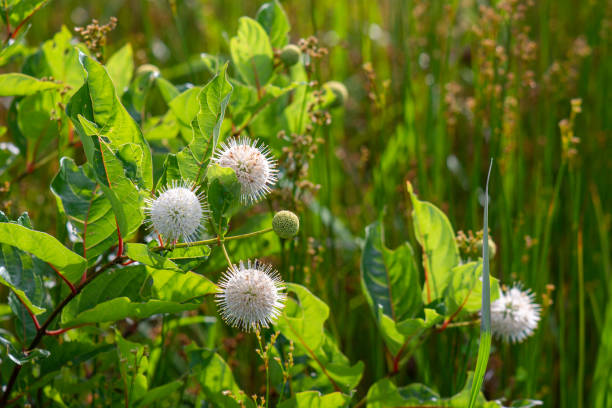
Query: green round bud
x=290, y=54
x=286, y=224
x=340, y=93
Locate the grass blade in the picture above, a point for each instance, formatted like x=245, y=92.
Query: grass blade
x=485, y=325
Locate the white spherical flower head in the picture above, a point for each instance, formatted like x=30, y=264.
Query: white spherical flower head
x=515, y=315
x=250, y=296
x=177, y=212
x=254, y=166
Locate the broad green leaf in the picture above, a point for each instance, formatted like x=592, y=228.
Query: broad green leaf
x=189, y=258
x=215, y=378
x=252, y=53
x=485, y=312
x=120, y=67
x=185, y=107
x=135, y=97
x=37, y=122
x=314, y=399
x=223, y=194
x=390, y=282
x=97, y=103
x=212, y=101
x=302, y=322
x=133, y=365
x=160, y=393
x=390, y=277
x=44, y=247
x=156, y=128
x=385, y=394
x=62, y=60
x=67, y=353
x=15, y=84
x=167, y=89
x=273, y=19
x=136, y=292
x=142, y=254
x=413, y=326
x=87, y=209
x=19, y=10
x=440, y=254
x=465, y=289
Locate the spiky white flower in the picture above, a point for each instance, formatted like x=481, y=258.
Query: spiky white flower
x=178, y=211
x=515, y=315
x=253, y=163
x=250, y=296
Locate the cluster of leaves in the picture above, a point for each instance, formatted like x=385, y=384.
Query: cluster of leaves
x=96, y=276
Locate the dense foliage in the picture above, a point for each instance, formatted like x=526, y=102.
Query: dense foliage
x=145, y=208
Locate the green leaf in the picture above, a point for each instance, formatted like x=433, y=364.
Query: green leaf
x=160, y=393
x=485, y=313
x=136, y=292
x=273, y=19
x=223, y=193
x=110, y=124
x=133, y=365
x=385, y=394
x=252, y=53
x=15, y=84
x=185, y=107
x=120, y=67
x=189, y=258
x=440, y=254
x=62, y=60
x=314, y=399
x=390, y=277
x=212, y=101
x=465, y=290
x=167, y=89
x=302, y=322
x=87, y=209
x=19, y=10
x=390, y=282
x=67, y=353
x=135, y=97
x=216, y=377
x=44, y=247
x=142, y=254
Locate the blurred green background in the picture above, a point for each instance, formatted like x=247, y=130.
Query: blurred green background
x=436, y=89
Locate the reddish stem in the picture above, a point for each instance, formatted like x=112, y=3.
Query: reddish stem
x=131, y=261
x=32, y=315
x=72, y=288
x=450, y=319
x=64, y=330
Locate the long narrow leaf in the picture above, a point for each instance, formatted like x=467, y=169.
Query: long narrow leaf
x=485, y=325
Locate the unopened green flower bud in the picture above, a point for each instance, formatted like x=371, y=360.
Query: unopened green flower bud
x=290, y=54
x=286, y=224
x=339, y=91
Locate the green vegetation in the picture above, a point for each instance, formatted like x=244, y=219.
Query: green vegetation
x=376, y=124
